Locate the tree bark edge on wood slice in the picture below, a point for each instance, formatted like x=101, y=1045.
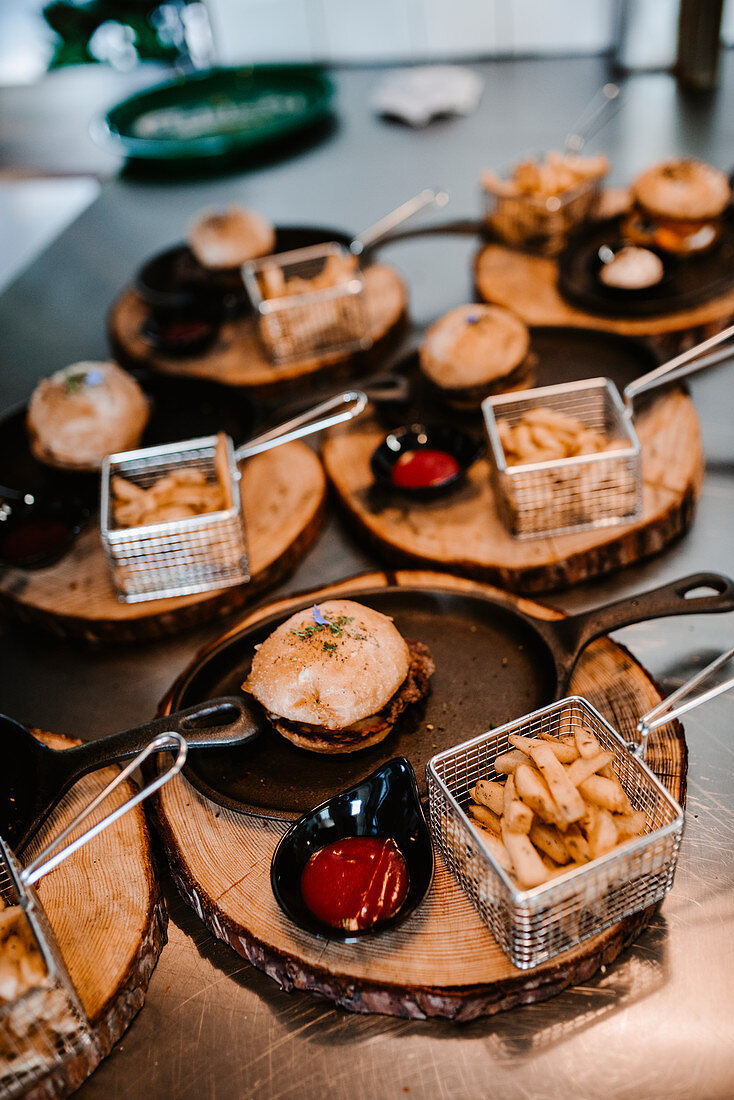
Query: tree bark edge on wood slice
x=135, y=946
x=375, y=983
x=281, y=526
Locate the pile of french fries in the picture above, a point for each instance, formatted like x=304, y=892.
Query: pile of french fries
x=176, y=495
x=560, y=806
x=336, y=270
x=543, y=435
x=556, y=173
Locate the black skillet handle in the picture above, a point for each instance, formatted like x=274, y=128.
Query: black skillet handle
x=576, y=631
x=229, y=720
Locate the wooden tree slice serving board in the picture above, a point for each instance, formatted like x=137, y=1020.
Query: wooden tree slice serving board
x=110, y=923
x=463, y=533
x=283, y=497
x=527, y=285
x=238, y=359
x=442, y=961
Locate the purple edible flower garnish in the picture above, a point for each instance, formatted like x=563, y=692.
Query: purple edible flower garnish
x=318, y=617
x=94, y=377
x=472, y=318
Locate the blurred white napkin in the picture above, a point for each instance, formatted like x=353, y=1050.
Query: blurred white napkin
x=417, y=95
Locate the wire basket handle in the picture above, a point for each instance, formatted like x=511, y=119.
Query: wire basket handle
x=682, y=700
x=686, y=363
x=431, y=196
x=45, y=861
x=595, y=114
x=345, y=406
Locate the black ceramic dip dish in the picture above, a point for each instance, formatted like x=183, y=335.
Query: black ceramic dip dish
x=424, y=460
x=385, y=806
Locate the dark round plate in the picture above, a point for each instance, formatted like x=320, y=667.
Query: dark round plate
x=472, y=690
x=181, y=409
x=216, y=113
x=693, y=281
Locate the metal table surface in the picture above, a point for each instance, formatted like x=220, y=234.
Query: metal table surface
x=660, y=1021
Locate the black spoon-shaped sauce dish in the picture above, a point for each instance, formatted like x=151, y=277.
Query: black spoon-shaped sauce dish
x=35, y=777
x=384, y=804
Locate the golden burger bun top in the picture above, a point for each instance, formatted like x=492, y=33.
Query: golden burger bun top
x=472, y=345
x=329, y=665
x=84, y=412
x=682, y=190
x=231, y=237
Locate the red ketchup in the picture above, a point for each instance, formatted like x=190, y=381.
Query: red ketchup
x=356, y=882
x=423, y=468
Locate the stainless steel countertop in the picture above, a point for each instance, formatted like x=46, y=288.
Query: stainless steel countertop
x=660, y=1021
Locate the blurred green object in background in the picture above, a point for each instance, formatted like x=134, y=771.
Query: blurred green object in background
x=122, y=33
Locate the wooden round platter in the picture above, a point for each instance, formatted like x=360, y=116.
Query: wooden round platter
x=463, y=533
x=238, y=359
x=283, y=496
x=528, y=285
x=104, y=906
x=442, y=961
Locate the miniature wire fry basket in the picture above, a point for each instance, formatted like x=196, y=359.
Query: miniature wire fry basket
x=532, y=926
x=584, y=491
x=308, y=301
x=204, y=552
x=44, y=1027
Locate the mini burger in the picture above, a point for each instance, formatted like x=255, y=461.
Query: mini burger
x=678, y=206
x=222, y=239
x=335, y=677
x=475, y=351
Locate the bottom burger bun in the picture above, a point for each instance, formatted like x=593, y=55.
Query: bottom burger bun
x=335, y=677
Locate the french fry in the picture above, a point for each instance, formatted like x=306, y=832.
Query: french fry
x=629, y=825
x=582, y=768
x=569, y=801
x=489, y=794
x=549, y=840
x=586, y=742
x=509, y=793
x=498, y=850
x=565, y=753
x=527, y=864
x=506, y=762
x=533, y=790
x=576, y=844
x=605, y=793
x=518, y=817
x=485, y=817
x=602, y=834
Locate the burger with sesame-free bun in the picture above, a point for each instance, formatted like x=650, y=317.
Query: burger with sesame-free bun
x=678, y=206
x=333, y=678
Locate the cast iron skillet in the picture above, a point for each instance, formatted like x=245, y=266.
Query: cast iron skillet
x=693, y=280
x=35, y=777
x=493, y=663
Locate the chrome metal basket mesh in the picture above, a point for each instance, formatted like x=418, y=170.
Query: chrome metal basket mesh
x=298, y=323
x=532, y=926
x=174, y=558
x=567, y=494
x=46, y=1026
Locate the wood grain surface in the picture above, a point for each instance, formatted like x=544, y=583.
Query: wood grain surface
x=104, y=906
x=442, y=961
x=527, y=284
x=238, y=359
x=283, y=497
x=462, y=532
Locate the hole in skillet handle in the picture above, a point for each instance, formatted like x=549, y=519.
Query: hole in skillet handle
x=458, y=445
x=385, y=804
